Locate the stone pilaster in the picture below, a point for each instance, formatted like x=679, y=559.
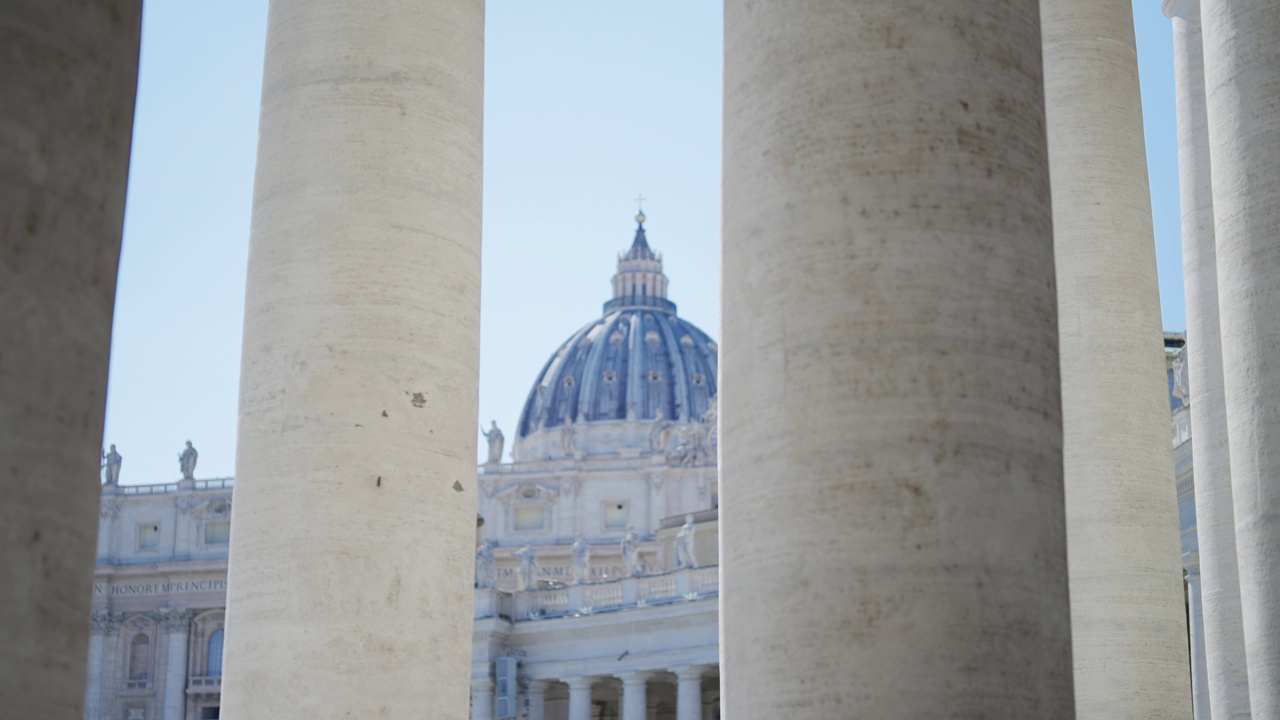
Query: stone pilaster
x=482, y=699
x=890, y=350
x=175, y=625
x=1128, y=623
x=103, y=624
x=537, y=696
x=1242, y=89
x=69, y=74
x=1222, y=627
x=359, y=368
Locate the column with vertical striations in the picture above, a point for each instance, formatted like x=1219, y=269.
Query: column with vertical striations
x=68, y=75
x=350, y=576
x=1128, y=619
x=1219, y=577
x=1242, y=88
x=893, y=536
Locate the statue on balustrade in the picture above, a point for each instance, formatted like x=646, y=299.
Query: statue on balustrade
x=187, y=461
x=631, y=554
x=581, y=561
x=496, y=441
x=112, y=466
x=484, y=565
x=528, y=575
x=569, y=439
x=685, y=557
x=658, y=433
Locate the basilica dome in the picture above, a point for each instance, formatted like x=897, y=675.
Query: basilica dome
x=637, y=363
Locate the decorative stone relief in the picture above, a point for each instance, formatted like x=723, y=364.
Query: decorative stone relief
x=104, y=622
x=174, y=619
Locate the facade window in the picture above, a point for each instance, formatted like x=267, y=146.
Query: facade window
x=213, y=661
x=217, y=532
x=139, y=659
x=148, y=537
x=529, y=518
x=615, y=516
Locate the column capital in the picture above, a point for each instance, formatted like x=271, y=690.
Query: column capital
x=105, y=622
x=174, y=620
x=637, y=676
x=580, y=683
x=1180, y=8
x=537, y=686
x=690, y=672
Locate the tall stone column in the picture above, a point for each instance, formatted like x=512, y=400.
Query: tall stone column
x=482, y=699
x=689, y=693
x=176, y=625
x=1128, y=623
x=103, y=623
x=359, y=368
x=537, y=694
x=1242, y=85
x=1223, y=630
x=634, y=705
x=580, y=697
x=67, y=86
x=890, y=406
x=1201, y=691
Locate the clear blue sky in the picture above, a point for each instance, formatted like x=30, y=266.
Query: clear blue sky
x=586, y=105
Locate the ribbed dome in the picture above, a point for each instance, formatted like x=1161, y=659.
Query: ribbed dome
x=638, y=359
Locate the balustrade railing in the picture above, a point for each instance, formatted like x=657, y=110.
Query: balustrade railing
x=680, y=585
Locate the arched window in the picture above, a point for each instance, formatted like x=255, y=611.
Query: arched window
x=139, y=657
x=213, y=663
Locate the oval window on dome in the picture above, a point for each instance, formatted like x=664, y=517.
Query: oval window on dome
x=569, y=381
x=652, y=337
x=699, y=379
x=610, y=376
x=686, y=341
x=655, y=376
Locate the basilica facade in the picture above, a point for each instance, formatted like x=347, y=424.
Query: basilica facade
x=597, y=578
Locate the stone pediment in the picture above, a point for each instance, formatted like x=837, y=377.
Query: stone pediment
x=527, y=492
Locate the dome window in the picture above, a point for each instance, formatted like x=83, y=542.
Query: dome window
x=712, y=347
x=616, y=337
x=569, y=382
x=652, y=337
x=687, y=341
x=610, y=377
x=655, y=376
x=699, y=379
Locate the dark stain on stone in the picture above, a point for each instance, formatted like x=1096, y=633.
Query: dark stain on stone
x=419, y=400
x=379, y=481
x=457, y=486
x=384, y=414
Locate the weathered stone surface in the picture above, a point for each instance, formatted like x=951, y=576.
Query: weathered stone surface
x=1242, y=85
x=68, y=72
x=360, y=366
x=889, y=307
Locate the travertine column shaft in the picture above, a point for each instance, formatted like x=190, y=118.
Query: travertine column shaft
x=1200, y=688
x=537, y=699
x=890, y=406
x=1228, y=679
x=177, y=628
x=68, y=72
x=1242, y=86
x=689, y=693
x=633, y=696
x=482, y=700
x=1128, y=621
x=580, y=698
x=359, y=367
